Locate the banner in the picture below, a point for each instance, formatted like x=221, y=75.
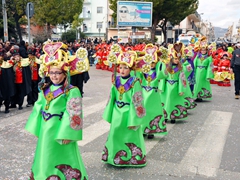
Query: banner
x=134, y=13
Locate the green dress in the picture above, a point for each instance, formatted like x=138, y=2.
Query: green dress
x=174, y=106
x=124, y=146
x=203, y=73
x=154, y=120
x=56, y=116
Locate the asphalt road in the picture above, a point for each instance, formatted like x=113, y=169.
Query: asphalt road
x=206, y=146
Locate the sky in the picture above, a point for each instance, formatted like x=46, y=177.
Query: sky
x=221, y=13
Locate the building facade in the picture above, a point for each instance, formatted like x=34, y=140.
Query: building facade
x=95, y=18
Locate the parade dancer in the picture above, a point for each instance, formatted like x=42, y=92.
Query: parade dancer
x=224, y=75
x=57, y=121
x=154, y=123
x=174, y=87
x=22, y=78
x=188, y=69
x=7, y=88
x=203, y=72
x=34, y=65
x=125, y=111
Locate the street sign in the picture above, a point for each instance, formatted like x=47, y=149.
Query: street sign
x=29, y=10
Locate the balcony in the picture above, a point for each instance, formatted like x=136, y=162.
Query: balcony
x=195, y=17
x=85, y=15
x=193, y=27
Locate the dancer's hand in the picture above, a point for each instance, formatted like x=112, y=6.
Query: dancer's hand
x=65, y=141
x=132, y=127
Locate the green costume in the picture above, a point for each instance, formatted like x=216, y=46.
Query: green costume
x=154, y=120
x=188, y=96
x=57, y=116
x=124, y=146
x=171, y=88
x=203, y=73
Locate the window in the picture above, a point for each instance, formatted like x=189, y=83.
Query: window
x=99, y=10
x=99, y=25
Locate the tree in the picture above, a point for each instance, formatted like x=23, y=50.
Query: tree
x=70, y=36
x=53, y=12
x=176, y=11
x=166, y=10
x=15, y=11
x=11, y=28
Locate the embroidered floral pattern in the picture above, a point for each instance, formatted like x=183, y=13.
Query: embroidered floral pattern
x=135, y=151
x=74, y=108
x=49, y=96
x=204, y=93
x=137, y=101
x=154, y=126
x=121, y=89
x=105, y=154
x=189, y=68
x=179, y=113
x=69, y=172
x=183, y=79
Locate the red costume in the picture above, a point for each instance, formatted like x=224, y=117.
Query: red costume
x=223, y=74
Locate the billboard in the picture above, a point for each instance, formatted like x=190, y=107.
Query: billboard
x=134, y=13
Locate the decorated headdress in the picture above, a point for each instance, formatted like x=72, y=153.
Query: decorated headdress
x=114, y=53
x=163, y=54
x=176, y=50
x=212, y=47
x=54, y=56
x=189, y=51
x=127, y=58
x=79, y=62
x=148, y=56
x=201, y=43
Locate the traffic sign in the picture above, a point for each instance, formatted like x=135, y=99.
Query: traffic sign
x=30, y=10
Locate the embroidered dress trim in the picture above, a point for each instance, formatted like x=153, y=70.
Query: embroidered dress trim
x=49, y=95
x=48, y=116
x=121, y=104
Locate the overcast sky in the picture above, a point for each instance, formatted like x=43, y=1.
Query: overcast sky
x=221, y=13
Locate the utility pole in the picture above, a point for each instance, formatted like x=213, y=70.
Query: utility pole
x=5, y=25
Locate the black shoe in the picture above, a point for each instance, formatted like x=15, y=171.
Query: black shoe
x=198, y=100
x=150, y=136
x=29, y=105
x=6, y=111
x=13, y=106
x=173, y=121
x=20, y=108
x=144, y=135
x=166, y=120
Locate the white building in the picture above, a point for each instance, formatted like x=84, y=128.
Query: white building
x=95, y=15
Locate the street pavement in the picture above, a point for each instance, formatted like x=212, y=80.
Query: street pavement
x=205, y=146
